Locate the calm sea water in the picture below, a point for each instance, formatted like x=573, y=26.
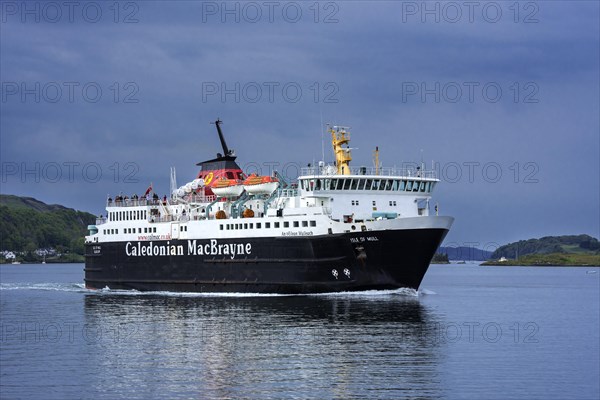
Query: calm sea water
x=471, y=332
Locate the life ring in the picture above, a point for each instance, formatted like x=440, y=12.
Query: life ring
x=208, y=178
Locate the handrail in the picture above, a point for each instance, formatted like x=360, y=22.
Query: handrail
x=129, y=202
x=405, y=172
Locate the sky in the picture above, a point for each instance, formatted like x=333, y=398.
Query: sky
x=500, y=97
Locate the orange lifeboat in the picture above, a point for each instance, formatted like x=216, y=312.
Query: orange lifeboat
x=227, y=188
x=256, y=184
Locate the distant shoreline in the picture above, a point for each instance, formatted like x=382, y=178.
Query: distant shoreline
x=550, y=260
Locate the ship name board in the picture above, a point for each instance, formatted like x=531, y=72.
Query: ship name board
x=212, y=248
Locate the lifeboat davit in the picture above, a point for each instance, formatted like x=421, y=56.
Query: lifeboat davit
x=227, y=188
x=255, y=184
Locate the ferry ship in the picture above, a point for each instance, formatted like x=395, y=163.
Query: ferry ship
x=338, y=228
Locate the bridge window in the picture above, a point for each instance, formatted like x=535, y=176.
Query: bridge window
x=409, y=186
x=354, y=184
x=376, y=183
x=347, y=184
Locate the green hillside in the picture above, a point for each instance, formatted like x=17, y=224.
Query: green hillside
x=573, y=250
x=582, y=244
x=27, y=224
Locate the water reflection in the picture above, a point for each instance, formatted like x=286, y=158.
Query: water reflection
x=265, y=347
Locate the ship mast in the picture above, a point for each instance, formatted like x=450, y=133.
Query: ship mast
x=343, y=156
x=376, y=160
x=226, y=151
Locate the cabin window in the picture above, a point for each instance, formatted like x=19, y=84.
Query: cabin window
x=276, y=225
x=258, y=225
x=286, y=224
x=245, y=226
x=145, y=230
x=305, y=224
x=251, y=225
x=296, y=225
x=154, y=230
x=313, y=223
x=221, y=227
x=117, y=231
x=230, y=175
x=139, y=230
x=267, y=225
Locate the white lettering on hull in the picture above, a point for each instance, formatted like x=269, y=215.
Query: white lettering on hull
x=212, y=248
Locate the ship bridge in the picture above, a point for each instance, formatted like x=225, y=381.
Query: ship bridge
x=365, y=193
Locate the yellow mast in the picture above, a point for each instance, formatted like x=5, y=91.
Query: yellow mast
x=376, y=160
x=339, y=138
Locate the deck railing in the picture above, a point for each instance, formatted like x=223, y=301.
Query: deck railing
x=411, y=171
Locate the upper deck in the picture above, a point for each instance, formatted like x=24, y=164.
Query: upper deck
x=372, y=172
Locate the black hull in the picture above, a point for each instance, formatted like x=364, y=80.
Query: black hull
x=289, y=265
